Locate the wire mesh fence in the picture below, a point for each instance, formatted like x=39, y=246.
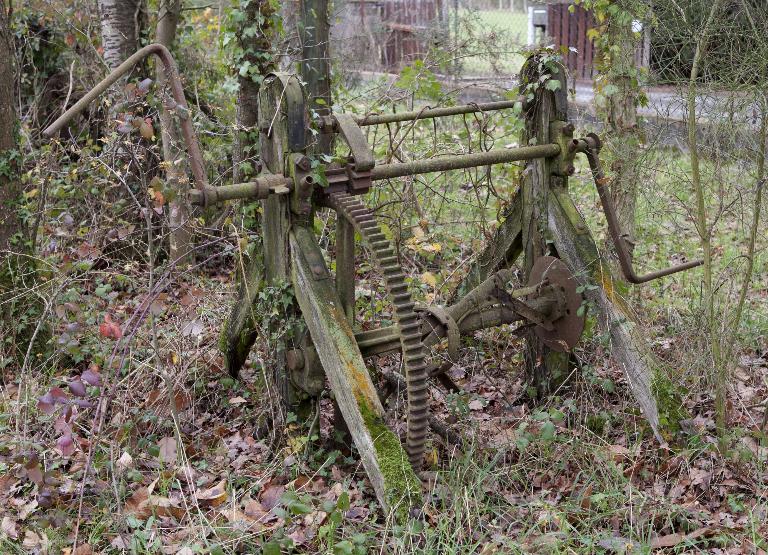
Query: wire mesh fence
x=456, y=38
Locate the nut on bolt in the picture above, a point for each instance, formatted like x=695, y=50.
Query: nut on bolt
x=570, y=169
x=304, y=163
x=568, y=129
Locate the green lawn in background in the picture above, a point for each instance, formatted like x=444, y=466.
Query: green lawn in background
x=494, y=38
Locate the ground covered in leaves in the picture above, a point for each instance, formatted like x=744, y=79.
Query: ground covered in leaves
x=157, y=450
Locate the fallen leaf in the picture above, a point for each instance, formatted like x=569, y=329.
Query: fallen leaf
x=167, y=447
x=31, y=540
x=214, y=496
x=193, y=327
x=255, y=510
x=84, y=549
x=9, y=527
x=109, y=328
x=671, y=540
x=429, y=279
x=619, y=453
x=270, y=497
x=237, y=401
x=475, y=404
x=146, y=130
x=125, y=461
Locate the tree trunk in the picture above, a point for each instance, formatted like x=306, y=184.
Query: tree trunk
x=20, y=318
x=315, y=65
x=623, y=131
x=121, y=24
x=10, y=186
x=618, y=81
x=254, y=37
x=175, y=174
x=256, y=60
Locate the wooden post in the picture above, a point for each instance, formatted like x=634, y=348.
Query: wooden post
x=629, y=349
x=386, y=463
x=547, y=369
x=283, y=125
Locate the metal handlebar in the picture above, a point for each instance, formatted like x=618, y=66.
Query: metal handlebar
x=182, y=109
x=590, y=146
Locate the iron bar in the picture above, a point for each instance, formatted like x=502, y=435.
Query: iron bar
x=428, y=113
x=259, y=188
x=463, y=161
x=172, y=72
x=591, y=147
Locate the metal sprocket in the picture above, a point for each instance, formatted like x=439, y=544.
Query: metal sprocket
x=362, y=219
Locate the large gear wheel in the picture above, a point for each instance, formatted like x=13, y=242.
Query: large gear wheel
x=362, y=219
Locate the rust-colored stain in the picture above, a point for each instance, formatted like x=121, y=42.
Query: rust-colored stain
x=606, y=281
x=361, y=383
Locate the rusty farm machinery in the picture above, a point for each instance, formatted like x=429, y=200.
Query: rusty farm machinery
x=542, y=227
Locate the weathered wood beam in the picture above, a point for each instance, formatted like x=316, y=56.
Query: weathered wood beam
x=501, y=251
x=629, y=349
x=394, y=481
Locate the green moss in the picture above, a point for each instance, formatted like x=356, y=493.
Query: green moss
x=403, y=488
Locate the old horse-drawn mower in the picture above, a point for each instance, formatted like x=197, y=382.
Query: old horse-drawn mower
x=542, y=224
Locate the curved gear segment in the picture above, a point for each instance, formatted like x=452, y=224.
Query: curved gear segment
x=384, y=256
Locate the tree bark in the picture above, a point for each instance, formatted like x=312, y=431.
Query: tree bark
x=180, y=238
x=21, y=314
x=121, y=24
x=315, y=67
x=254, y=38
x=10, y=185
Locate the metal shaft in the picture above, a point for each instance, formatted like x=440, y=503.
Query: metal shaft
x=261, y=187
x=428, y=113
x=462, y=161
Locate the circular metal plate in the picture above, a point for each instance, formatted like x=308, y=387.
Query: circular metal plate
x=569, y=327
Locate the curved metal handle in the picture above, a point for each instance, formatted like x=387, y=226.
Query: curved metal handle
x=591, y=147
x=172, y=73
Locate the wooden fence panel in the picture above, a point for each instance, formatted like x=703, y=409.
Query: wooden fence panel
x=409, y=25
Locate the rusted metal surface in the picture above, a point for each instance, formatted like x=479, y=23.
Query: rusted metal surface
x=463, y=161
x=177, y=90
x=427, y=113
x=349, y=180
x=260, y=188
x=408, y=323
x=567, y=328
x=591, y=147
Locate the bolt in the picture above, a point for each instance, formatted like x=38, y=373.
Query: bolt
x=304, y=163
x=568, y=129
x=570, y=169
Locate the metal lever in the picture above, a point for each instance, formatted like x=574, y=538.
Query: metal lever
x=177, y=90
x=591, y=147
